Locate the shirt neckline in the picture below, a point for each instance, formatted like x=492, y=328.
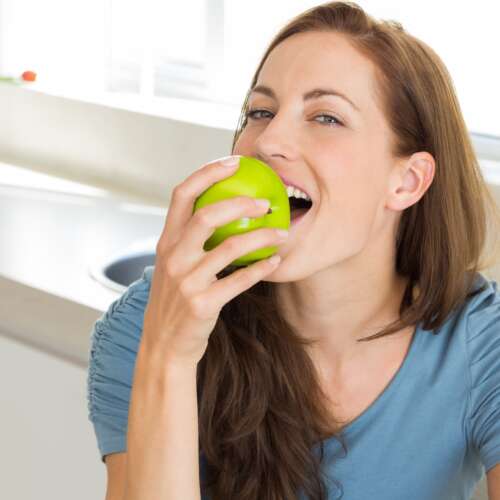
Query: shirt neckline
x=389, y=389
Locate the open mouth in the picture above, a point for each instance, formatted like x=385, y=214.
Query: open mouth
x=298, y=206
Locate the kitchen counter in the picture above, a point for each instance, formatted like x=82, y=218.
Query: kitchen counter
x=53, y=232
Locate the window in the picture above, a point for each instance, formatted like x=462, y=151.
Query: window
x=209, y=49
x=160, y=48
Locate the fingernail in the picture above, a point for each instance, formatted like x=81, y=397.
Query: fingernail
x=230, y=161
x=282, y=233
x=262, y=203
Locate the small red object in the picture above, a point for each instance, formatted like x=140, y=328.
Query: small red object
x=29, y=76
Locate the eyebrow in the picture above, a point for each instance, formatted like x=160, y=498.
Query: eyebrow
x=312, y=94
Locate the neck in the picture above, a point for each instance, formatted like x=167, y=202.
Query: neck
x=338, y=316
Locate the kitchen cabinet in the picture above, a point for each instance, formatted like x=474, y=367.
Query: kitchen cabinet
x=48, y=445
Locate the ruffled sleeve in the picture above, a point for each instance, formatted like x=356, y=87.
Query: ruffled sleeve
x=483, y=348
x=115, y=340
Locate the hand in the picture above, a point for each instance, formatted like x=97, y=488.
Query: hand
x=186, y=297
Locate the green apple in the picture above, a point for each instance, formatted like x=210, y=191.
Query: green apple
x=255, y=179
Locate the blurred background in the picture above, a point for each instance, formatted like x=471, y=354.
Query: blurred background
x=128, y=98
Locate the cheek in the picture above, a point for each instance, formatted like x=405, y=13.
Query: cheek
x=354, y=179
x=244, y=142
x=354, y=195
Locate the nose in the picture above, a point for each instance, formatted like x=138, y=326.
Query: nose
x=276, y=138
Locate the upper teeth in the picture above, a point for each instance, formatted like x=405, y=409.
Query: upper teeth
x=297, y=193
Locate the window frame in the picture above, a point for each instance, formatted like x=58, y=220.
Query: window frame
x=177, y=78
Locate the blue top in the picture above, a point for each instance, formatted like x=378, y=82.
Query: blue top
x=430, y=434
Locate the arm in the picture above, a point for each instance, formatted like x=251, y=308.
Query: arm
x=162, y=438
x=116, y=464
x=493, y=476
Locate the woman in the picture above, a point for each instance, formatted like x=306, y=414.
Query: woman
x=375, y=340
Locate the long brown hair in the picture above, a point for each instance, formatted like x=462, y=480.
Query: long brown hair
x=261, y=408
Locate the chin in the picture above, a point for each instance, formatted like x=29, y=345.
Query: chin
x=282, y=274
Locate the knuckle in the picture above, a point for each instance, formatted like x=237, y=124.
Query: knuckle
x=169, y=267
x=179, y=191
x=202, y=217
x=198, y=306
x=184, y=288
x=245, y=277
x=160, y=249
x=232, y=244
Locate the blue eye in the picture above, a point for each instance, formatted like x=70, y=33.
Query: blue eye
x=251, y=113
x=333, y=118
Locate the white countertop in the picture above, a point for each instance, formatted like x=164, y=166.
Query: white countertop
x=53, y=231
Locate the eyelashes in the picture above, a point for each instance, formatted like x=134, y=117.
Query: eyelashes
x=252, y=115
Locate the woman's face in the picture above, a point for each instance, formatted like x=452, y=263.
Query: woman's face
x=342, y=160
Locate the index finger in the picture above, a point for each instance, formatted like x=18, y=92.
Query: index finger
x=184, y=195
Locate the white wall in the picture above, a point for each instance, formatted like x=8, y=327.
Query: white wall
x=48, y=447
x=138, y=153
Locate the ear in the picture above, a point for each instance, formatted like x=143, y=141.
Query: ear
x=410, y=180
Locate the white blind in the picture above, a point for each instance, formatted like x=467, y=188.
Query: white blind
x=156, y=45
x=209, y=49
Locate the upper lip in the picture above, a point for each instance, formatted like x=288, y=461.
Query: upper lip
x=288, y=182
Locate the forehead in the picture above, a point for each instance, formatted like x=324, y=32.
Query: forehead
x=319, y=59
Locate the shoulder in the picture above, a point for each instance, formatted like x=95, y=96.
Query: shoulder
x=478, y=322
x=474, y=322
x=481, y=312
x=131, y=304
x=470, y=337
x=117, y=332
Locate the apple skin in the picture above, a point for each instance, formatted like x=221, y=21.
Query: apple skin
x=256, y=179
